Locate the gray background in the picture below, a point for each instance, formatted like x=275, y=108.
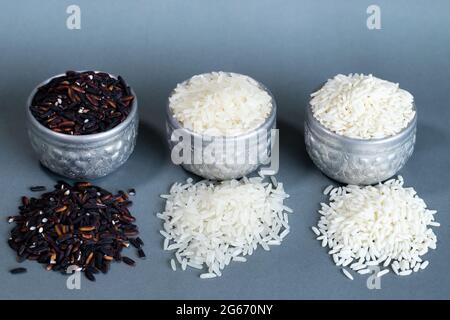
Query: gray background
x=291, y=47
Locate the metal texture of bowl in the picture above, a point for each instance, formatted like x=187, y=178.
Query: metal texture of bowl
x=358, y=161
x=215, y=166
x=84, y=156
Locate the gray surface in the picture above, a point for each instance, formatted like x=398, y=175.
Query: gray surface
x=291, y=47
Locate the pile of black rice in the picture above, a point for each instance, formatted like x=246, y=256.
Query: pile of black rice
x=81, y=226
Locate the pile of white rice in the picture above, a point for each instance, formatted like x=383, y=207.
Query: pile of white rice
x=362, y=107
x=211, y=224
x=220, y=104
x=385, y=225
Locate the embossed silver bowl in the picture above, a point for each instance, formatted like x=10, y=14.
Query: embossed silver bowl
x=85, y=156
x=253, y=147
x=357, y=161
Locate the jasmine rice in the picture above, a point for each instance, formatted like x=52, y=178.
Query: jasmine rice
x=220, y=104
x=209, y=224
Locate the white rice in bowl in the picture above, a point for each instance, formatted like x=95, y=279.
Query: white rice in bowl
x=220, y=104
x=362, y=106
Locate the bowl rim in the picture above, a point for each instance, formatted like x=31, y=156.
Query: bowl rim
x=270, y=119
x=389, y=139
x=95, y=137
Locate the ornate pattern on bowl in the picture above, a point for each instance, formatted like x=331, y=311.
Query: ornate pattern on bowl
x=357, y=161
x=83, y=157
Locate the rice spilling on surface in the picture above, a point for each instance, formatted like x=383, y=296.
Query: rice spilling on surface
x=210, y=224
x=362, y=106
x=386, y=225
x=220, y=104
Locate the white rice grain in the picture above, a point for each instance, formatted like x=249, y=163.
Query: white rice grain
x=316, y=231
x=220, y=104
x=209, y=224
x=362, y=106
x=382, y=273
x=377, y=225
x=364, y=271
x=173, y=265
x=424, y=265
x=347, y=274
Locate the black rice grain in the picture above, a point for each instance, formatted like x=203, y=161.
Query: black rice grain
x=89, y=275
x=128, y=261
x=18, y=270
x=141, y=254
x=139, y=241
x=81, y=225
x=135, y=244
x=37, y=188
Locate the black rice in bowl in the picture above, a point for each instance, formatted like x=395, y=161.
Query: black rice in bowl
x=81, y=103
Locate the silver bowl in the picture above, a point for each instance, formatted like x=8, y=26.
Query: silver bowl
x=358, y=161
x=254, y=147
x=84, y=156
